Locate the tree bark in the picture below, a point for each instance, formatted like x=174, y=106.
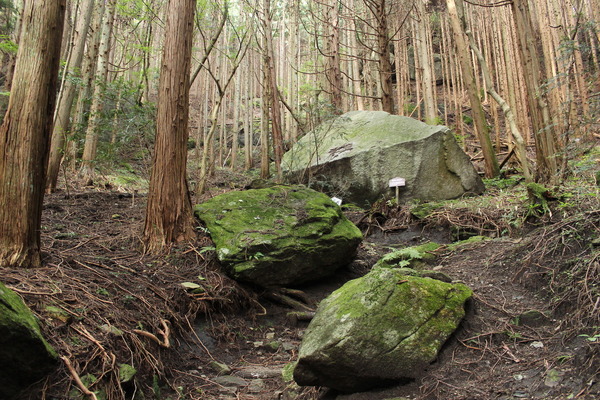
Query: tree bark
x=379, y=10
x=67, y=96
x=492, y=168
x=25, y=133
x=422, y=50
x=87, y=171
x=333, y=69
x=270, y=81
x=521, y=150
x=169, y=217
x=548, y=158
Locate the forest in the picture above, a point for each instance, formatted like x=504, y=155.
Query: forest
x=122, y=118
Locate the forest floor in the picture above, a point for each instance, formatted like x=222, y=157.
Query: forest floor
x=104, y=304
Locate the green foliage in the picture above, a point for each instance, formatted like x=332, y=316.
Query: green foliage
x=538, y=199
x=467, y=120
x=126, y=127
x=7, y=45
x=503, y=183
x=406, y=257
x=592, y=338
x=126, y=372
x=409, y=108
x=422, y=211
x=438, y=121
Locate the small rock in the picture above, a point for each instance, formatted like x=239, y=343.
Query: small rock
x=231, y=381
x=553, y=377
x=256, y=386
x=288, y=346
x=220, y=368
x=532, y=318
x=271, y=347
x=111, y=329
x=259, y=372
x=440, y=276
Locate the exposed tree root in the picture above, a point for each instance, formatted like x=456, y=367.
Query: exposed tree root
x=285, y=296
x=77, y=379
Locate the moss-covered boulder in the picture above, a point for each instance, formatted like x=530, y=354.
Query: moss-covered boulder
x=25, y=357
x=355, y=155
x=379, y=329
x=279, y=235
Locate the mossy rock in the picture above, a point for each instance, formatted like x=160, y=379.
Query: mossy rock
x=25, y=356
x=279, y=235
x=425, y=273
x=355, y=155
x=379, y=329
x=465, y=243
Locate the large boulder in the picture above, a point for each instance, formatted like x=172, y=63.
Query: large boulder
x=355, y=155
x=279, y=235
x=25, y=357
x=379, y=329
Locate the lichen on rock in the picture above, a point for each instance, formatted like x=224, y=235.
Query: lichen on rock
x=279, y=235
x=25, y=356
x=380, y=328
x=356, y=154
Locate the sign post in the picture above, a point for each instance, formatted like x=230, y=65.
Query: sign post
x=397, y=183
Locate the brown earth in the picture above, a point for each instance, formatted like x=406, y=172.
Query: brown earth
x=111, y=304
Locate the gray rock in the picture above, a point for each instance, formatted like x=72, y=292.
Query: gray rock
x=279, y=235
x=532, y=318
x=256, y=386
x=378, y=329
x=25, y=356
x=231, y=381
x=258, y=372
x=355, y=155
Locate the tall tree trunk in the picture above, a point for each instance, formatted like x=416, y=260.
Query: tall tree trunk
x=169, y=217
x=379, y=10
x=464, y=55
x=87, y=171
x=237, y=95
x=67, y=95
x=422, y=50
x=88, y=73
x=547, y=155
x=333, y=69
x=356, y=74
x=521, y=150
x=25, y=133
x=270, y=81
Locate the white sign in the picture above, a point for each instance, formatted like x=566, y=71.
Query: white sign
x=395, y=182
x=337, y=201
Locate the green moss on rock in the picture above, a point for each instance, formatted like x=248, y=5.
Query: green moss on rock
x=382, y=327
x=464, y=243
x=279, y=235
x=25, y=356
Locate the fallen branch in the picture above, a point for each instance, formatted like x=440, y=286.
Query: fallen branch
x=77, y=379
x=165, y=334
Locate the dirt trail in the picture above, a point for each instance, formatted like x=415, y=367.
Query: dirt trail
x=109, y=292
